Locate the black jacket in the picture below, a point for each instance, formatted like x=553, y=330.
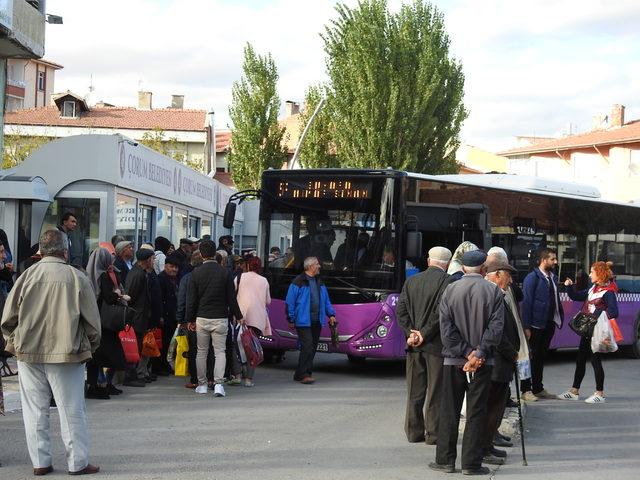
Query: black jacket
x=507, y=349
x=184, y=266
x=169, y=291
x=124, y=269
x=137, y=287
x=417, y=308
x=211, y=293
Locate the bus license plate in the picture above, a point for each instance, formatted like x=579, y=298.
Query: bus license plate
x=323, y=347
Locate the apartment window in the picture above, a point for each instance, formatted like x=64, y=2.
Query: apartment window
x=42, y=80
x=69, y=109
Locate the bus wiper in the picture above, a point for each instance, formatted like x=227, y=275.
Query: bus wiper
x=366, y=294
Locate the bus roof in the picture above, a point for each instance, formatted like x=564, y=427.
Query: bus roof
x=501, y=181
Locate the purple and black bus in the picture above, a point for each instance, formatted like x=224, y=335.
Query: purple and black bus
x=370, y=229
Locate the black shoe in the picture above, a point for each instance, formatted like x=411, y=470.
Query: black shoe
x=415, y=439
x=498, y=453
x=511, y=403
x=431, y=441
x=97, y=393
x=492, y=460
x=153, y=377
x=476, y=471
x=504, y=437
x=163, y=373
x=134, y=382
x=111, y=388
x=147, y=379
x=438, y=467
x=499, y=441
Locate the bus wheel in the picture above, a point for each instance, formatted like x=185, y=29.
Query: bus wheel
x=356, y=360
x=633, y=350
x=274, y=356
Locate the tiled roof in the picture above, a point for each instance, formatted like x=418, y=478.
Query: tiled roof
x=628, y=133
x=225, y=179
x=223, y=141
x=113, y=117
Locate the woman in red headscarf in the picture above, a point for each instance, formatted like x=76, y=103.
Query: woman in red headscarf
x=601, y=297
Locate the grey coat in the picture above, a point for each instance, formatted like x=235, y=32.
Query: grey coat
x=471, y=318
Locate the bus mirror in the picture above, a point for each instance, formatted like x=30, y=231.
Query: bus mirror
x=229, y=215
x=414, y=244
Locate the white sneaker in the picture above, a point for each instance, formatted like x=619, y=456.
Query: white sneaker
x=568, y=395
x=595, y=399
x=218, y=390
x=528, y=396
x=201, y=389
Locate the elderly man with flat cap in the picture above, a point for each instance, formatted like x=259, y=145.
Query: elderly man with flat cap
x=417, y=313
x=471, y=324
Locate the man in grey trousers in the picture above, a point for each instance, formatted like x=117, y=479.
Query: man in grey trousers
x=52, y=324
x=417, y=313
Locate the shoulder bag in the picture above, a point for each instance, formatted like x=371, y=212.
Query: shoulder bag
x=583, y=322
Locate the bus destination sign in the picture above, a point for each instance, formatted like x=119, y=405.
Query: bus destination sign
x=328, y=189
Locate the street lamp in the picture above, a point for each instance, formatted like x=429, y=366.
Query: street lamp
x=54, y=19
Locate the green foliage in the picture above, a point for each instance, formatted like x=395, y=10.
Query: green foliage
x=170, y=147
x=257, y=139
x=318, y=149
x=18, y=147
x=395, y=95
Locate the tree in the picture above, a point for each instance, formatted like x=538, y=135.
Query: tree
x=17, y=147
x=170, y=147
x=396, y=95
x=256, y=138
x=318, y=149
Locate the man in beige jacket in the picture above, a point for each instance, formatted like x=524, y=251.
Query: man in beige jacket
x=52, y=324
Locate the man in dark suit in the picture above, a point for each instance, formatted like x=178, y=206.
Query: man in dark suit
x=417, y=314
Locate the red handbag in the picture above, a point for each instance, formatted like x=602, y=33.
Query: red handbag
x=252, y=347
x=157, y=333
x=129, y=344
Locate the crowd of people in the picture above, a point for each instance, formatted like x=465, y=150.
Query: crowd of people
x=64, y=322
x=469, y=330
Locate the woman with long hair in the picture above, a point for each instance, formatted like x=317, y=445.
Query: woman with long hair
x=600, y=297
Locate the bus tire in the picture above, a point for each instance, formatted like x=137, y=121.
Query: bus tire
x=273, y=356
x=633, y=350
x=356, y=360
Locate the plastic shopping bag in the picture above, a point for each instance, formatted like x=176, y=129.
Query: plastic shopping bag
x=182, y=356
x=603, y=340
x=129, y=344
x=252, y=347
x=171, y=352
x=149, y=345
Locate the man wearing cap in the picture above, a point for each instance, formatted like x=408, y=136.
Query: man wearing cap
x=417, y=313
x=471, y=323
x=183, y=254
x=124, y=258
x=225, y=242
x=499, y=273
x=137, y=287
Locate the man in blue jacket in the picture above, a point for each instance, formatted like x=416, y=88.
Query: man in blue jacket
x=541, y=314
x=308, y=307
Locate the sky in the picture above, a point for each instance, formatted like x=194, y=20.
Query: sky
x=539, y=68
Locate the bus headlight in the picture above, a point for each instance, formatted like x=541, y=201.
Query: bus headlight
x=382, y=331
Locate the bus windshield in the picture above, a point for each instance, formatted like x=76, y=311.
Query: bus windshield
x=352, y=235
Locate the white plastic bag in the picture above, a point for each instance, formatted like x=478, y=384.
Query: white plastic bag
x=603, y=340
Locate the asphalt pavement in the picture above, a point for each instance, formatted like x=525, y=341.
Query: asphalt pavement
x=349, y=425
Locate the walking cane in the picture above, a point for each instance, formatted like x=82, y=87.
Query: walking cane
x=524, y=455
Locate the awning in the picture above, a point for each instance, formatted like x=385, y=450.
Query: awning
x=13, y=187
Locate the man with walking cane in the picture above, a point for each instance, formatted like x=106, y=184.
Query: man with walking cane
x=499, y=273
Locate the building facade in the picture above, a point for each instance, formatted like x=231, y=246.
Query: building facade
x=30, y=83
x=607, y=157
